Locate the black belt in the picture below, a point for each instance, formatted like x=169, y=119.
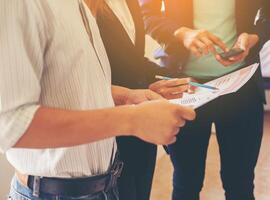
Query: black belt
x=76, y=186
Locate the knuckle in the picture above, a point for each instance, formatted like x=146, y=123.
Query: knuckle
x=152, y=87
x=210, y=45
x=178, y=96
x=204, y=46
x=183, y=88
x=204, y=31
x=193, y=43
x=182, y=123
x=175, y=123
x=161, y=91
x=176, y=131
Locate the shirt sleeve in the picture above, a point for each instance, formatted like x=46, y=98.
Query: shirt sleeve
x=22, y=44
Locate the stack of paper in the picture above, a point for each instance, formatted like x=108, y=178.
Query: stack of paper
x=226, y=84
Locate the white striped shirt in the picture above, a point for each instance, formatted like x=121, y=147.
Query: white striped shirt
x=46, y=59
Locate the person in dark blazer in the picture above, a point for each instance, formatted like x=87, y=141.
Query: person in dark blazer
x=122, y=30
x=192, y=33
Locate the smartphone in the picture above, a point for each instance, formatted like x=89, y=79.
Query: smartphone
x=233, y=52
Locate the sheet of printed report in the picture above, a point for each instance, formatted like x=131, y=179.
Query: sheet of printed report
x=227, y=84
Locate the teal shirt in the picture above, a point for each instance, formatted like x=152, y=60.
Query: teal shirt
x=218, y=17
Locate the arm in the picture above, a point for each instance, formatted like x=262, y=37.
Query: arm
x=69, y=128
x=62, y=129
x=161, y=28
x=26, y=124
x=253, y=43
x=176, y=39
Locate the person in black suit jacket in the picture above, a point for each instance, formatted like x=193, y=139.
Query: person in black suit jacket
x=131, y=69
x=238, y=117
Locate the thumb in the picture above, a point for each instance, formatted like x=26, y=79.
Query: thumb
x=244, y=42
x=186, y=113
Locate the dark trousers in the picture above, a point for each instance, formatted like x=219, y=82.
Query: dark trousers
x=139, y=164
x=238, y=119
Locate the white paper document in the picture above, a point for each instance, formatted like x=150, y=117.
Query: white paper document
x=226, y=84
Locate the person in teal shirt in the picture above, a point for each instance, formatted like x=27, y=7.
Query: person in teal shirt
x=192, y=33
x=217, y=17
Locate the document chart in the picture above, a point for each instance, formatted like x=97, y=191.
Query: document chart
x=226, y=84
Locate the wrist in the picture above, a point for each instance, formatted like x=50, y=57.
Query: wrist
x=255, y=38
x=120, y=94
x=125, y=95
x=127, y=120
x=181, y=32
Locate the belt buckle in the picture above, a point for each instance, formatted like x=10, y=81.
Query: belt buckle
x=36, y=186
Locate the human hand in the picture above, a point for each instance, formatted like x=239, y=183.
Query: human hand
x=245, y=41
x=199, y=42
x=159, y=122
x=172, y=89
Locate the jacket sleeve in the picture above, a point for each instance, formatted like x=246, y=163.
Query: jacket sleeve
x=153, y=69
x=161, y=28
x=262, y=29
x=263, y=22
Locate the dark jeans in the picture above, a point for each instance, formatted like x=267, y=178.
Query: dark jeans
x=20, y=192
x=238, y=119
x=139, y=164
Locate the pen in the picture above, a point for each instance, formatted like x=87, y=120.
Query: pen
x=190, y=83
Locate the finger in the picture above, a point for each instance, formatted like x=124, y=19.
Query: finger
x=218, y=42
x=222, y=61
x=237, y=58
x=176, y=132
x=201, y=47
x=153, y=95
x=171, y=141
x=157, y=85
x=173, y=96
x=209, y=44
x=192, y=89
x=195, y=51
x=186, y=113
x=237, y=44
x=176, y=82
x=244, y=41
x=176, y=90
x=181, y=122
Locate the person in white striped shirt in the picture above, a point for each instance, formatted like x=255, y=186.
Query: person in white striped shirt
x=57, y=114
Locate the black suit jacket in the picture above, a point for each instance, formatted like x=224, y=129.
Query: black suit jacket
x=129, y=69
x=162, y=25
x=129, y=66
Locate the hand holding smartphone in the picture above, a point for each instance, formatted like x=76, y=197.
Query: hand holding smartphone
x=231, y=53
